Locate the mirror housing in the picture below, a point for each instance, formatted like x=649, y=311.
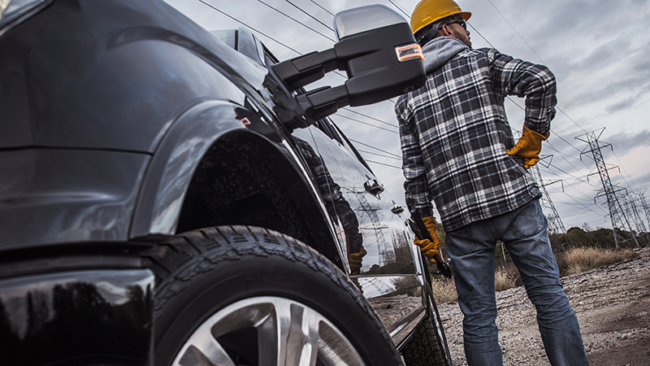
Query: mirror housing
x=377, y=51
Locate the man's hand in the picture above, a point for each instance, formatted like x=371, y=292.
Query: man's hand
x=528, y=147
x=428, y=248
x=355, y=260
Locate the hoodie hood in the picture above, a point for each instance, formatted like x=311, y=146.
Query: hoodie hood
x=440, y=50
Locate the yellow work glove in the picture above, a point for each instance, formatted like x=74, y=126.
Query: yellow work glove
x=528, y=147
x=355, y=260
x=428, y=248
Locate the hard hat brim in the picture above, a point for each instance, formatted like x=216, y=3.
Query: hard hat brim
x=465, y=15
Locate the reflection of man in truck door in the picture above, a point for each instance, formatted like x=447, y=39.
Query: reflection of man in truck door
x=335, y=204
x=458, y=150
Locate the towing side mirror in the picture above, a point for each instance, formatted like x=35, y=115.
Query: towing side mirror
x=377, y=51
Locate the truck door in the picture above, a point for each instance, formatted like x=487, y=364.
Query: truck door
x=376, y=244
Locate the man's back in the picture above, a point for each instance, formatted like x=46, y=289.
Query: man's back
x=455, y=134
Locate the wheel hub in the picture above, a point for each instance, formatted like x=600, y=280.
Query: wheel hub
x=288, y=333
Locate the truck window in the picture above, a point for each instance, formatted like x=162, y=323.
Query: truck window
x=227, y=36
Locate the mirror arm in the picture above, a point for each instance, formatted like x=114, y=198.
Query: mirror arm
x=306, y=69
x=322, y=102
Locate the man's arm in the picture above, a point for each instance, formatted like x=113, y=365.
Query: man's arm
x=415, y=186
x=525, y=79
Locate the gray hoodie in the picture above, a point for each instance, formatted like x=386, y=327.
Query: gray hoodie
x=440, y=50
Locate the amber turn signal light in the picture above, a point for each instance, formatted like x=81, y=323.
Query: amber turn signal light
x=410, y=52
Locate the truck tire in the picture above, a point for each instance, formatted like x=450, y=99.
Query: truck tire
x=428, y=345
x=249, y=296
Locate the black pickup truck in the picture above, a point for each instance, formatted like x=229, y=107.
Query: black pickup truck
x=172, y=196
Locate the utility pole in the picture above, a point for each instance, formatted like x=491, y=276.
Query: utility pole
x=555, y=225
x=616, y=212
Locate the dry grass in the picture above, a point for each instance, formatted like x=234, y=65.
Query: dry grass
x=583, y=259
x=444, y=290
x=506, y=276
x=504, y=279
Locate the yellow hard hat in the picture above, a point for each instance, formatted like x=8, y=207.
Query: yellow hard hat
x=429, y=11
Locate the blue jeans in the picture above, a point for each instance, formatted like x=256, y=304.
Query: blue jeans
x=472, y=250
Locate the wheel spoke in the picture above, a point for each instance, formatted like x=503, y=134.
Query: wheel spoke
x=204, y=350
x=334, y=349
x=268, y=335
x=291, y=336
x=280, y=335
x=310, y=325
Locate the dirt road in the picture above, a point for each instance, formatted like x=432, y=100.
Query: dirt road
x=612, y=304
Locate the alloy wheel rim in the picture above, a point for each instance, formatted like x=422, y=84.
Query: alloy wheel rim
x=288, y=333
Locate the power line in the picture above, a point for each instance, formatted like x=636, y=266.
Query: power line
x=540, y=58
x=522, y=108
x=265, y=35
x=551, y=146
x=556, y=134
x=580, y=180
x=625, y=171
x=569, y=174
x=563, y=157
x=309, y=15
x=375, y=162
x=366, y=123
x=479, y=33
x=400, y=9
x=578, y=205
x=513, y=28
x=575, y=200
x=297, y=21
x=570, y=119
x=308, y=27
x=383, y=156
x=373, y=118
x=320, y=6
x=258, y=31
x=372, y=147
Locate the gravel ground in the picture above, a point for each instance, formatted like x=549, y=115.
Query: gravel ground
x=611, y=303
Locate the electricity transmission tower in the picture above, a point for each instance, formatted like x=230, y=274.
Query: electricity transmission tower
x=616, y=212
x=385, y=254
x=555, y=225
x=646, y=208
x=633, y=212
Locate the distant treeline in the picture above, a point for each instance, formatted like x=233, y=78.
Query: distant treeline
x=577, y=237
x=597, y=238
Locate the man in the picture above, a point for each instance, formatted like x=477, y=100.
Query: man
x=458, y=150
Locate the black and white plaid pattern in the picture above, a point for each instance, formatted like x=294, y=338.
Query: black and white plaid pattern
x=454, y=136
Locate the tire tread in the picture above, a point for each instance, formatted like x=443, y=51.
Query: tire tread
x=423, y=349
x=176, y=261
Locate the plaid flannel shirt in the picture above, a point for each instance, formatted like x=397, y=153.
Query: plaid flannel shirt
x=454, y=136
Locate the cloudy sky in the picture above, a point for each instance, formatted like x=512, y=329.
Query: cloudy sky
x=599, y=51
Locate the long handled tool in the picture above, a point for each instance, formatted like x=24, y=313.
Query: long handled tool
x=421, y=232
x=443, y=268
